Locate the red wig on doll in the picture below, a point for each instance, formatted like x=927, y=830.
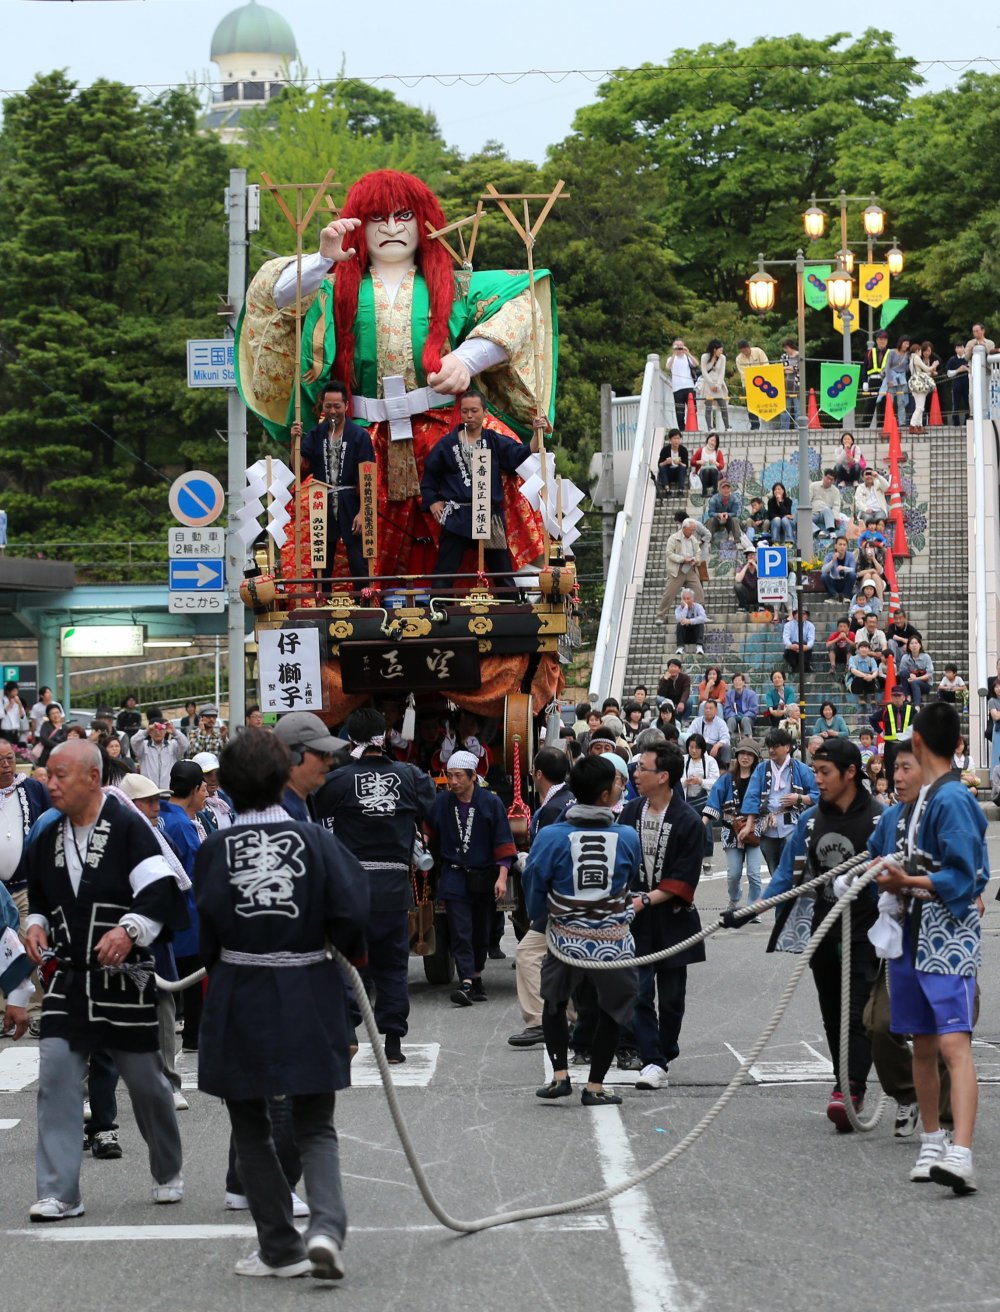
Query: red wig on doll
x=387, y=191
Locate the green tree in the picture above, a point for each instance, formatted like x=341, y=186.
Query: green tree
x=107, y=265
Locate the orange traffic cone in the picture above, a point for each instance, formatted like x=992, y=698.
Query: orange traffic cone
x=691, y=418
x=813, y=411
x=936, y=420
x=890, y=679
x=892, y=430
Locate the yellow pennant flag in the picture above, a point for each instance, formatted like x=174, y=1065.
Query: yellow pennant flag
x=765, y=384
x=873, y=283
x=838, y=318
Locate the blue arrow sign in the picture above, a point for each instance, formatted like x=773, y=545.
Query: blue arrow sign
x=197, y=576
x=772, y=562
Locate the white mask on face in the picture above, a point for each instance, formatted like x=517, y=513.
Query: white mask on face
x=393, y=239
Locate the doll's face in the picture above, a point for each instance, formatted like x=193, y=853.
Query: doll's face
x=392, y=238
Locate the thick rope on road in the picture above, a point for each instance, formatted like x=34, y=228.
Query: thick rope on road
x=602, y=1196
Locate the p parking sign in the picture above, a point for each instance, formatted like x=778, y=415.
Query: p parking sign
x=772, y=562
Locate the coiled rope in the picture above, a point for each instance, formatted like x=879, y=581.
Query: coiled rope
x=601, y=1196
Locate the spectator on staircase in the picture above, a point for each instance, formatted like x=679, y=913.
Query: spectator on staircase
x=683, y=375
x=712, y=727
x=691, y=620
x=839, y=645
x=866, y=602
x=869, y=496
x=723, y=514
x=778, y=696
x=792, y=723
x=745, y=583
x=923, y=380
x=798, y=645
x=866, y=743
x=672, y=465
x=683, y=552
x=951, y=685
x=870, y=632
x=740, y=708
x=916, y=671
x=862, y=678
x=874, y=534
x=850, y=463
x=746, y=357
x=713, y=388
x=870, y=559
x=830, y=723
x=966, y=766
x=757, y=524
x=839, y=570
x=824, y=500
x=708, y=462
x=898, y=634
x=781, y=514
x=958, y=370
x=665, y=720
x=791, y=364
x=713, y=685
x=675, y=686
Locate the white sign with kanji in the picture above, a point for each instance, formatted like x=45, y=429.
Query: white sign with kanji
x=290, y=670
x=482, y=501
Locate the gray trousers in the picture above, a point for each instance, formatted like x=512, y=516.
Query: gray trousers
x=264, y=1181
x=60, y=1116
x=166, y=1014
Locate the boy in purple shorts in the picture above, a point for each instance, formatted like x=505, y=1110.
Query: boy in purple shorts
x=932, y=983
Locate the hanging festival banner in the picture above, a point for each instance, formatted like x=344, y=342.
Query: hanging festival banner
x=765, y=384
x=873, y=283
x=316, y=510
x=838, y=388
x=482, y=503
x=814, y=285
x=855, y=312
x=369, y=516
x=890, y=309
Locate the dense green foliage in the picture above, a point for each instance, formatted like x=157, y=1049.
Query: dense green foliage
x=113, y=241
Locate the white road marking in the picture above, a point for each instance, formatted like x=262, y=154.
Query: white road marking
x=6, y=1124
x=795, y=1070
x=108, y=1234
x=18, y=1068
x=651, y=1277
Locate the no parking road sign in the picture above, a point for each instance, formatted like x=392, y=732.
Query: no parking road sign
x=196, y=498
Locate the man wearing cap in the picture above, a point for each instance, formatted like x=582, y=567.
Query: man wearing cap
x=723, y=807
x=157, y=750
x=723, y=514
x=210, y=735
x=778, y=788
x=827, y=835
x=471, y=839
x=313, y=750
x=376, y=806
x=895, y=724
x=873, y=376
x=869, y=496
x=796, y=642
x=179, y=821
x=218, y=812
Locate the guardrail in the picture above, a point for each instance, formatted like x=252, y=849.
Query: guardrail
x=633, y=528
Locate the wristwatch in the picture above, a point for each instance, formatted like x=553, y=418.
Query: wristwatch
x=646, y=900
x=132, y=930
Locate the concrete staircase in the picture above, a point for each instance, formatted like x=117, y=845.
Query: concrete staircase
x=932, y=580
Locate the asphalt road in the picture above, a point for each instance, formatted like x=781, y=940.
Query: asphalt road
x=770, y=1211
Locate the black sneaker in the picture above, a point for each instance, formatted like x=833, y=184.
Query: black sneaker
x=554, y=1089
x=478, y=992
x=497, y=954
x=629, y=1060
x=601, y=1099
x=462, y=996
x=105, y=1146
x=393, y=1049
x=579, y=1057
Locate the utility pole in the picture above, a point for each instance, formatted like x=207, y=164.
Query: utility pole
x=236, y=205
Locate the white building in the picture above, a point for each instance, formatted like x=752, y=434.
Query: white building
x=252, y=47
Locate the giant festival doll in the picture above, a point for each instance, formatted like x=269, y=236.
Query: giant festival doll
x=385, y=310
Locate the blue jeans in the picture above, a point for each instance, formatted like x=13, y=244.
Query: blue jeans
x=840, y=587
x=827, y=518
x=782, y=528
x=736, y=857
x=699, y=803
x=790, y=415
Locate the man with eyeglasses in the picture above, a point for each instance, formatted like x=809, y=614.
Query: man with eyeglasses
x=313, y=751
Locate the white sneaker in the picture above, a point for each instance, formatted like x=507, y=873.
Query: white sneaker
x=51, y=1209
x=699, y=651
x=254, y=1265
x=679, y=651
x=659, y=623
x=907, y=1118
x=932, y=1148
x=172, y=1191
x=181, y=1104
x=326, y=1257
x=299, y=1206
x=652, y=1077
x=954, y=1169
x=236, y=1202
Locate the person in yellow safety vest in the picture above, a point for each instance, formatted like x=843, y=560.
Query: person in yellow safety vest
x=893, y=722
x=874, y=375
